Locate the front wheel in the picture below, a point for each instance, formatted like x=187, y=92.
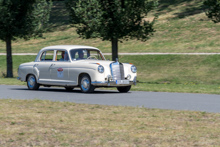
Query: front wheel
x=32, y=83
x=85, y=84
x=124, y=89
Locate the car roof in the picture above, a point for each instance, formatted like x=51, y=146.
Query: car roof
x=68, y=47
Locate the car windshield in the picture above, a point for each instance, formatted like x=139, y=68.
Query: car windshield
x=83, y=54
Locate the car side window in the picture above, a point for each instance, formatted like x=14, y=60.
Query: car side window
x=78, y=54
x=47, y=56
x=61, y=55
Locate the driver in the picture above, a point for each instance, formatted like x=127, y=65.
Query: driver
x=81, y=55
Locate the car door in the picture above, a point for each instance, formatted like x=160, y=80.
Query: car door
x=42, y=67
x=59, y=69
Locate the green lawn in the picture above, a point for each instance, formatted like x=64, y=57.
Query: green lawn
x=167, y=73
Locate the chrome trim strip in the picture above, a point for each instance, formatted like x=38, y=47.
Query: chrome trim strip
x=110, y=83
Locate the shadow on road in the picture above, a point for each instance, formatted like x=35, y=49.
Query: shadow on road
x=97, y=91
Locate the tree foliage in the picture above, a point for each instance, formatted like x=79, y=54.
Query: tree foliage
x=21, y=19
x=213, y=11
x=112, y=20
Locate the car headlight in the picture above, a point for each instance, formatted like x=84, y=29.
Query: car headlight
x=100, y=68
x=133, y=69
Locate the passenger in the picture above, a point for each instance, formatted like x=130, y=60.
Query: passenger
x=62, y=54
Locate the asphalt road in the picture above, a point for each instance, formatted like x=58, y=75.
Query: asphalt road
x=161, y=100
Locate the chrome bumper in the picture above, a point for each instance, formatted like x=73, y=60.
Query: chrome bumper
x=113, y=83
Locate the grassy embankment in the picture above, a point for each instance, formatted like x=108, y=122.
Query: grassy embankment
x=46, y=123
x=182, y=27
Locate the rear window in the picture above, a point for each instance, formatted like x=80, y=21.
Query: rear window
x=47, y=56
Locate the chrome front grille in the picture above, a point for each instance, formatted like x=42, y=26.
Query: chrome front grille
x=117, y=71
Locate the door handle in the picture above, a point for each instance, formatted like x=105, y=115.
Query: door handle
x=35, y=65
x=52, y=65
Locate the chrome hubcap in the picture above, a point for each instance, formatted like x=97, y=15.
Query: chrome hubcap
x=31, y=81
x=85, y=84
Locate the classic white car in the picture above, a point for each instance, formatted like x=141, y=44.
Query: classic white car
x=76, y=66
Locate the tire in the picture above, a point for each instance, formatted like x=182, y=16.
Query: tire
x=124, y=89
x=32, y=83
x=85, y=84
x=69, y=88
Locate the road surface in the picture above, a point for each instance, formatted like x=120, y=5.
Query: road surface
x=161, y=100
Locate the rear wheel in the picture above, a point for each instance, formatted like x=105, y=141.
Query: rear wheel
x=124, y=89
x=85, y=84
x=32, y=83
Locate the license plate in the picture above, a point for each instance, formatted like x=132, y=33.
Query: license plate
x=122, y=81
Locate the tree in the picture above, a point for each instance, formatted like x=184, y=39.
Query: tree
x=213, y=11
x=21, y=19
x=112, y=20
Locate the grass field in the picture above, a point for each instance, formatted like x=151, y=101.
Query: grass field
x=167, y=73
x=158, y=69
x=46, y=123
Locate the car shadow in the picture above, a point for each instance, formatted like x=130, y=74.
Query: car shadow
x=51, y=89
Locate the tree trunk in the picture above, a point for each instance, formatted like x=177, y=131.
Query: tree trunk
x=9, y=58
x=114, y=49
